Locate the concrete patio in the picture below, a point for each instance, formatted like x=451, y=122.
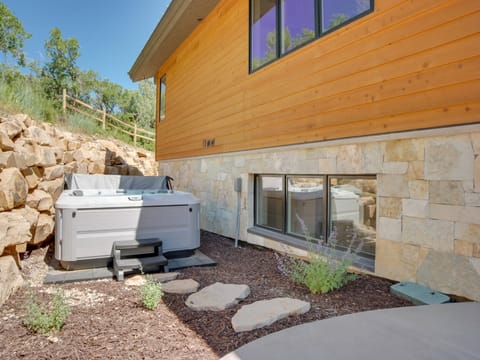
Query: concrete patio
x=445, y=331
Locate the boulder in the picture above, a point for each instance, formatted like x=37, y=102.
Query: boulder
x=217, y=297
x=14, y=230
x=13, y=189
x=10, y=277
x=53, y=187
x=6, y=143
x=40, y=200
x=266, y=312
x=46, y=156
x=29, y=151
x=28, y=214
x=38, y=135
x=53, y=172
x=6, y=159
x=32, y=175
x=12, y=128
x=43, y=230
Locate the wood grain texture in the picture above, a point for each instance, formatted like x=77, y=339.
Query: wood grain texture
x=408, y=65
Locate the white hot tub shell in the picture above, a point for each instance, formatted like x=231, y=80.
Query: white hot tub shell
x=97, y=210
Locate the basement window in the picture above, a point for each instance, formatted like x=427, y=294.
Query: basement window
x=277, y=27
x=335, y=209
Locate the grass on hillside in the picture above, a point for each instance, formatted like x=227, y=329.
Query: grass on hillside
x=27, y=97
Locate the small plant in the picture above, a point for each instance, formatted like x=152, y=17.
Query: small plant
x=151, y=293
x=47, y=317
x=324, y=272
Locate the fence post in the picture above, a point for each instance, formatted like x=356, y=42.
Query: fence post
x=104, y=118
x=134, y=134
x=64, y=101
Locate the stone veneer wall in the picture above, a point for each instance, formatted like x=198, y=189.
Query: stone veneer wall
x=428, y=197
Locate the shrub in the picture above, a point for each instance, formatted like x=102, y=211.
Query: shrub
x=325, y=271
x=47, y=317
x=151, y=293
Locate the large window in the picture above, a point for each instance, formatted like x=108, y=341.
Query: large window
x=340, y=210
x=280, y=26
x=161, y=98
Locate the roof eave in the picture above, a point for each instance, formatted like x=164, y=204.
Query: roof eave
x=178, y=22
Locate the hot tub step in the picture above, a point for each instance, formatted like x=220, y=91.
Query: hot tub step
x=148, y=252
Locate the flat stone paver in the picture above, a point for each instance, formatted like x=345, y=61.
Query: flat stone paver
x=440, y=332
x=217, y=297
x=266, y=312
x=164, y=277
x=186, y=286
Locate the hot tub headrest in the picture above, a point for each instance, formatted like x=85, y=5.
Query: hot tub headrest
x=85, y=181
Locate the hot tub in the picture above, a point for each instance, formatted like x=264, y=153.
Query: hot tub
x=96, y=210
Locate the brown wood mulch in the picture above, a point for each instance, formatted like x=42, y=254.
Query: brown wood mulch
x=108, y=322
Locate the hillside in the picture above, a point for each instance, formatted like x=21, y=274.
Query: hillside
x=34, y=157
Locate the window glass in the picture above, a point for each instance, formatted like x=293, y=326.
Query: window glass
x=297, y=23
x=163, y=88
x=305, y=207
x=270, y=201
x=335, y=13
x=263, y=32
x=353, y=203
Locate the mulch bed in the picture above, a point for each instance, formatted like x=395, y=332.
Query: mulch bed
x=109, y=322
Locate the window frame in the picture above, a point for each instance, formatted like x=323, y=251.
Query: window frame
x=299, y=241
x=162, y=85
x=318, y=30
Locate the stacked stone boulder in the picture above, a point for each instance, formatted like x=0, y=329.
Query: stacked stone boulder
x=34, y=157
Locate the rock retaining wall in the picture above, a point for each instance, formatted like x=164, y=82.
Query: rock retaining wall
x=34, y=157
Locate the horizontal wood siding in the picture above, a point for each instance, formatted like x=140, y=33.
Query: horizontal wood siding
x=408, y=65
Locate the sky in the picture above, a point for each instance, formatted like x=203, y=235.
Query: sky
x=111, y=33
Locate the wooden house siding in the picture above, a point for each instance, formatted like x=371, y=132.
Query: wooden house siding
x=407, y=65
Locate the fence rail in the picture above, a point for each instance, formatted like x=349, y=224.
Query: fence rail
x=69, y=102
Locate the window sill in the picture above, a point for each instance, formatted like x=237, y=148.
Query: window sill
x=361, y=262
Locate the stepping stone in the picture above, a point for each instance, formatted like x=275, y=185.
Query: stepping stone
x=135, y=280
x=266, y=312
x=217, y=297
x=164, y=277
x=186, y=286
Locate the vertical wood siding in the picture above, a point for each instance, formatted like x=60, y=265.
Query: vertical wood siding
x=408, y=65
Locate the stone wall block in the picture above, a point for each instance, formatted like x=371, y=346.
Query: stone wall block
x=32, y=175
x=14, y=230
x=393, y=186
x=390, y=207
x=29, y=151
x=404, y=150
x=10, y=278
x=349, y=159
x=450, y=273
x=415, y=208
x=416, y=170
x=53, y=187
x=6, y=144
x=6, y=159
x=13, y=189
x=447, y=192
x=38, y=135
x=449, y=158
x=465, y=214
x=43, y=229
x=472, y=199
x=467, y=232
x=47, y=156
x=12, y=128
x=40, y=200
x=432, y=234
x=395, y=168
x=53, y=172
x=389, y=229
x=419, y=189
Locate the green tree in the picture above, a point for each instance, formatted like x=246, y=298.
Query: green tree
x=61, y=71
x=146, y=97
x=336, y=20
x=12, y=35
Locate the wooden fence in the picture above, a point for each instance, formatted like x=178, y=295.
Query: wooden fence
x=106, y=119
